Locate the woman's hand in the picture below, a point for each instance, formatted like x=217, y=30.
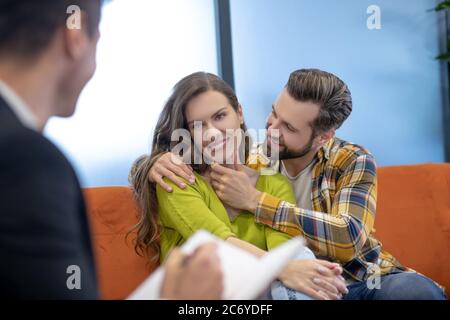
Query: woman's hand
x=319, y=279
x=171, y=166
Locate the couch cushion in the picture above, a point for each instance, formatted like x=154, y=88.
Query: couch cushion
x=413, y=217
x=112, y=213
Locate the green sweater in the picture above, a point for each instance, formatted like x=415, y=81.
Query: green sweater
x=183, y=212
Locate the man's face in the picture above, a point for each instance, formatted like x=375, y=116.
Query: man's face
x=81, y=66
x=88, y=62
x=289, y=130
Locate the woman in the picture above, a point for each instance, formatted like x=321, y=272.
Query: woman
x=206, y=107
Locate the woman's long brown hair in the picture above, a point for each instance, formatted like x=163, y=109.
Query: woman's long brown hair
x=171, y=118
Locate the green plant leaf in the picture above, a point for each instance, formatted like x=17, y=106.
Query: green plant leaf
x=445, y=56
x=443, y=6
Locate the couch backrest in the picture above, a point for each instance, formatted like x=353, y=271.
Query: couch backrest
x=112, y=214
x=413, y=223
x=413, y=217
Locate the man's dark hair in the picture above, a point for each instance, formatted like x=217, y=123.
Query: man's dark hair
x=28, y=26
x=326, y=90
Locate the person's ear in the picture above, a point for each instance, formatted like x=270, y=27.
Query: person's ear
x=327, y=136
x=323, y=138
x=76, y=40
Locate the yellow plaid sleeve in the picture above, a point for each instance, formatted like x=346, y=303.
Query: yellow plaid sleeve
x=341, y=233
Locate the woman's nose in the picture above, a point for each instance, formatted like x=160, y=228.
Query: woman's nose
x=210, y=129
x=209, y=126
x=210, y=132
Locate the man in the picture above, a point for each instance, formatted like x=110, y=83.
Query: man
x=43, y=227
x=335, y=185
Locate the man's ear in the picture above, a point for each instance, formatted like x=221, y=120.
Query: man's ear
x=76, y=40
x=326, y=136
x=323, y=138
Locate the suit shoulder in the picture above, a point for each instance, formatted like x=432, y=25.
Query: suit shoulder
x=25, y=145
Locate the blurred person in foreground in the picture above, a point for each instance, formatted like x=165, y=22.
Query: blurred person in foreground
x=44, y=65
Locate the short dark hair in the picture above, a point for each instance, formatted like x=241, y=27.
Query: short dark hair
x=28, y=26
x=326, y=90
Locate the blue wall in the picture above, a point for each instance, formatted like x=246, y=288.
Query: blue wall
x=394, y=78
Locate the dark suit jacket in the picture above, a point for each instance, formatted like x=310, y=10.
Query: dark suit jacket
x=43, y=224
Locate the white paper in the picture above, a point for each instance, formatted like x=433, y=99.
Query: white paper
x=245, y=276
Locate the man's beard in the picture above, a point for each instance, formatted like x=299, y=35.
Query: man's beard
x=287, y=153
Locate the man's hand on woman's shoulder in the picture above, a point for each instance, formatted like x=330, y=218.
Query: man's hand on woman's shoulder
x=171, y=166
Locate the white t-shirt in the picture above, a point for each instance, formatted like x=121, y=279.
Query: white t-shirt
x=302, y=184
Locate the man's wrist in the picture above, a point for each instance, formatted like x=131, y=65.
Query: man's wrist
x=253, y=202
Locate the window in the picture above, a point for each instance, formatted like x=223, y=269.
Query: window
x=145, y=48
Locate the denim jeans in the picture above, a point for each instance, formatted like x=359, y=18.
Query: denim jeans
x=397, y=286
x=280, y=292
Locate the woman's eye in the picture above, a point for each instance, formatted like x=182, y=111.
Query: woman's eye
x=220, y=116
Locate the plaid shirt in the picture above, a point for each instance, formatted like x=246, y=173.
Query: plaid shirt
x=340, y=226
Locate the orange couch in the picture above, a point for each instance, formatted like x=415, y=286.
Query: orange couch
x=413, y=223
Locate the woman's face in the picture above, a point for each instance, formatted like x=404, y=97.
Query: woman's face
x=214, y=125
